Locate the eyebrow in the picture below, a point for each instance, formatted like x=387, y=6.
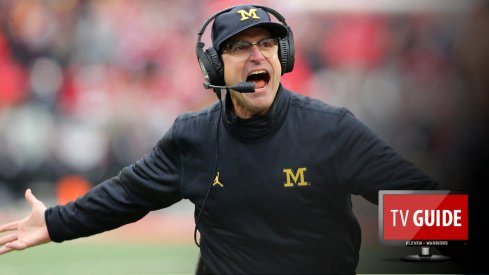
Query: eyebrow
x=234, y=41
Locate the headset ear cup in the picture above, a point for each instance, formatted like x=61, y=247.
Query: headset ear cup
x=287, y=52
x=284, y=55
x=291, y=48
x=217, y=77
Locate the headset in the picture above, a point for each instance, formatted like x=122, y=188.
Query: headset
x=211, y=63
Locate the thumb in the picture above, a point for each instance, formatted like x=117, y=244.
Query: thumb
x=30, y=198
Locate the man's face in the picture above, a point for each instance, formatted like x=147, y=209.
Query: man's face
x=264, y=70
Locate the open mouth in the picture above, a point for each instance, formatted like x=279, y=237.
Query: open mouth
x=260, y=78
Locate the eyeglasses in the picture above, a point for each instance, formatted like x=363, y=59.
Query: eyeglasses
x=267, y=47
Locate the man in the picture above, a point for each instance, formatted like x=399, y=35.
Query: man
x=270, y=173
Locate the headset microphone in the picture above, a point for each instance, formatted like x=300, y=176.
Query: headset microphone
x=241, y=87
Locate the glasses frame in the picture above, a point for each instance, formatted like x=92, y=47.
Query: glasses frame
x=249, y=46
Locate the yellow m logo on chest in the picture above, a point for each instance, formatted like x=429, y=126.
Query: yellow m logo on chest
x=248, y=14
x=295, y=178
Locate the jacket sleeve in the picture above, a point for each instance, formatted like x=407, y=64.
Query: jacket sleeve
x=366, y=164
x=151, y=183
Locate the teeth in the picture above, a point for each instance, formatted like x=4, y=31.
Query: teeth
x=258, y=72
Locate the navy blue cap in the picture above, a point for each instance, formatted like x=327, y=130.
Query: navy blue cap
x=240, y=18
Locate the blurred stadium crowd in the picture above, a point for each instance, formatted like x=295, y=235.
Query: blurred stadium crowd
x=87, y=86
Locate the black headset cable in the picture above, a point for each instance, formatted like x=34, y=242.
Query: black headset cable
x=216, y=167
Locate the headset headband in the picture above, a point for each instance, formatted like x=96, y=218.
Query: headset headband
x=210, y=61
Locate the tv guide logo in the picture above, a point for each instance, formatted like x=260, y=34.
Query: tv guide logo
x=425, y=217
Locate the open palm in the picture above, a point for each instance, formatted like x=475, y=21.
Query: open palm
x=28, y=232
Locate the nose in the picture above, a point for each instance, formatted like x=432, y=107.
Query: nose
x=256, y=54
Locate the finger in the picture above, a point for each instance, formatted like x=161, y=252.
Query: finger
x=30, y=198
x=9, y=226
x=16, y=245
x=8, y=239
x=4, y=250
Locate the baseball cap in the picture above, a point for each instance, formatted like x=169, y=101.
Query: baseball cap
x=240, y=18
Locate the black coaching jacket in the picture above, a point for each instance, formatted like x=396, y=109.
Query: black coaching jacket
x=280, y=200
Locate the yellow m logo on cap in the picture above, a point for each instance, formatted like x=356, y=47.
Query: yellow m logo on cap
x=248, y=14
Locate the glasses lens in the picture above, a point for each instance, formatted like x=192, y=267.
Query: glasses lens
x=268, y=46
x=238, y=48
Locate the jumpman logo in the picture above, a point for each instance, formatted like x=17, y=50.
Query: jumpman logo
x=216, y=181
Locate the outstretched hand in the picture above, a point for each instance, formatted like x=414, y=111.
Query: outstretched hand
x=28, y=232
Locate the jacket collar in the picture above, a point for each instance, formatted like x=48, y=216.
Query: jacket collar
x=257, y=128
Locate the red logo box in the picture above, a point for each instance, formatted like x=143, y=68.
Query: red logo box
x=423, y=216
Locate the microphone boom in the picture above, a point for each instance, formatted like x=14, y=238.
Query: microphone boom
x=241, y=87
